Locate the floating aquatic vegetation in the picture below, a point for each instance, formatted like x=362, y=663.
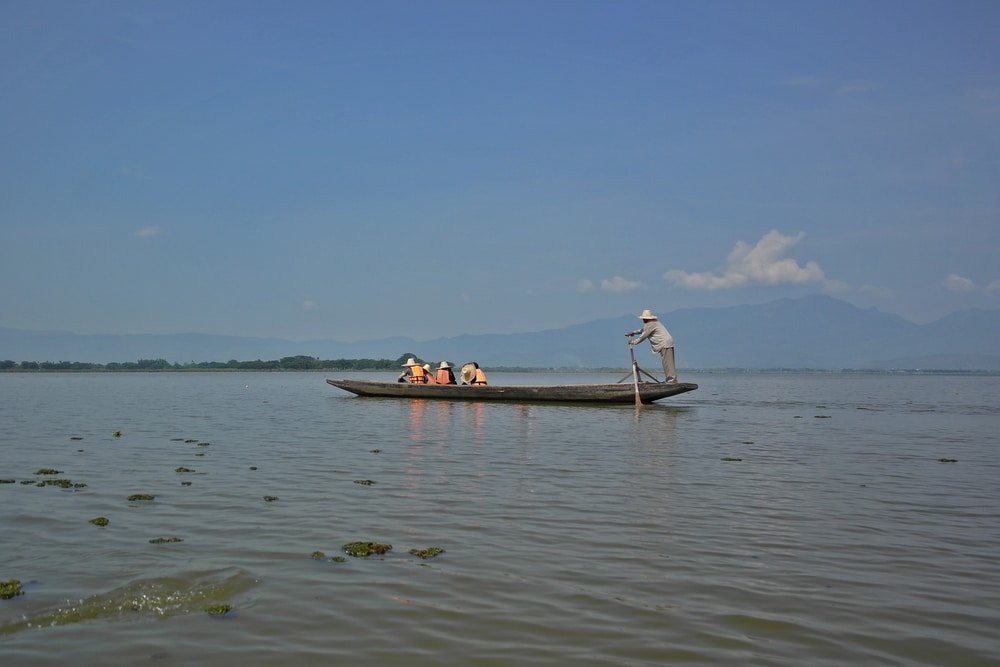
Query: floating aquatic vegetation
x=48, y=471
x=117, y=434
x=364, y=482
x=157, y=598
x=375, y=451
x=730, y=458
x=253, y=467
x=28, y=481
x=185, y=483
x=948, y=460
x=100, y=521
x=270, y=499
x=747, y=442
x=61, y=483
x=79, y=485
x=75, y=437
x=7, y=481
x=200, y=454
x=429, y=552
x=191, y=440
x=183, y=469
x=365, y=549
x=338, y=559
x=218, y=609
x=10, y=588
x=176, y=439
x=141, y=496
x=821, y=416
x=319, y=555
x=165, y=540
x=204, y=444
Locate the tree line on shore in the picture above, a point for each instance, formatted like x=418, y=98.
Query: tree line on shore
x=296, y=363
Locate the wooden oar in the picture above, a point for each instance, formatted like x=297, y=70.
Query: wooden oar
x=635, y=376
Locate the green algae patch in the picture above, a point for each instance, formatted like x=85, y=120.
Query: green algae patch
x=116, y=434
x=157, y=598
x=61, y=483
x=253, y=467
x=28, y=481
x=165, y=540
x=10, y=589
x=429, y=552
x=948, y=460
x=318, y=555
x=141, y=496
x=375, y=451
x=365, y=549
x=365, y=482
x=338, y=559
x=204, y=444
x=185, y=483
x=7, y=481
x=100, y=521
x=183, y=469
x=270, y=499
x=191, y=440
x=48, y=471
x=730, y=458
x=218, y=609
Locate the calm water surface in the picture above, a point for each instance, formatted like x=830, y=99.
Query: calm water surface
x=573, y=534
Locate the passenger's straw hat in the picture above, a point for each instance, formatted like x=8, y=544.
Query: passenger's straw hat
x=410, y=362
x=468, y=373
x=444, y=364
x=427, y=367
x=647, y=315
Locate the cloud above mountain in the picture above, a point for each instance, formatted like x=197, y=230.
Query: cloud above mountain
x=763, y=263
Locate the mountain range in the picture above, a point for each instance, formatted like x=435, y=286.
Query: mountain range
x=814, y=332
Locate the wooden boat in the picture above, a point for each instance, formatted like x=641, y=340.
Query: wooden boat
x=619, y=392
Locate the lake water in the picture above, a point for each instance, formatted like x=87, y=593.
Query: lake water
x=572, y=534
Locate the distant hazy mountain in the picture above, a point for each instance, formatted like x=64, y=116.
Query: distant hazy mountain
x=813, y=332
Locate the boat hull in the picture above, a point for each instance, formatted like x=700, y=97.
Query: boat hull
x=566, y=393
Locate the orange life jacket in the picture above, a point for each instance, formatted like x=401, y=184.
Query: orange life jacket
x=480, y=377
x=444, y=376
x=418, y=375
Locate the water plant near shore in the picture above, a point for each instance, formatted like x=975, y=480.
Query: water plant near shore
x=48, y=471
x=183, y=469
x=319, y=555
x=218, y=609
x=429, y=552
x=117, y=434
x=141, y=496
x=270, y=499
x=10, y=588
x=165, y=540
x=364, y=482
x=365, y=549
x=100, y=521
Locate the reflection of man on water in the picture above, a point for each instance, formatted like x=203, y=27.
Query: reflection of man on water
x=659, y=339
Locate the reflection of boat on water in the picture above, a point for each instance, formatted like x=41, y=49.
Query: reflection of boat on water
x=618, y=392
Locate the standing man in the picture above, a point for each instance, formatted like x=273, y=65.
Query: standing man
x=659, y=339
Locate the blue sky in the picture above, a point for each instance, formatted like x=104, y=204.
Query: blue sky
x=361, y=170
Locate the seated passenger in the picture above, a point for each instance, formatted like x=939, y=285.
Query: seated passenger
x=472, y=374
x=428, y=375
x=444, y=374
x=414, y=373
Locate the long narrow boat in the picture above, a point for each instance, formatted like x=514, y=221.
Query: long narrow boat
x=619, y=392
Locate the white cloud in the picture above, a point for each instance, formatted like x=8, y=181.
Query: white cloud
x=957, y=283
x=993, y=286
x=856, y=86
x=585, y=286
x=762, y=263
x=149, y=230
x=619, y=284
